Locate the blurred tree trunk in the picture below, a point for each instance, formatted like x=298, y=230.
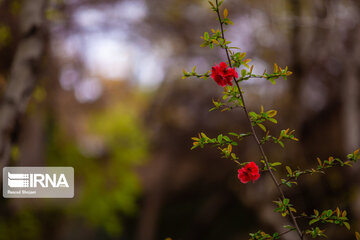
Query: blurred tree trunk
x=350, y=97
x=351, y=88
x=296, y=47
x=151, y=210
x=23, y=74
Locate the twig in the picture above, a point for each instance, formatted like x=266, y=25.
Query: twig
x=285, y=232
x=253, y=130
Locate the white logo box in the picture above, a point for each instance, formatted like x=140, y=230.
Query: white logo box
x=38, y=182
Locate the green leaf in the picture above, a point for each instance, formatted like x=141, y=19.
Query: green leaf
x=271, y=113
x=212, y=5
x=243, y=72
x=203, y=135
x=206, y=36
x=316, y=212
x=288, y=169
x=229, y=148
x=288, y=227
x=221, y=2
x=195, y=145
x=292, y=209
x=344, y=213
x=226, y=138
x=313, y=221
x=347, y=225
x=234, y=134
x=329, y=213
x=226, y=13
x=272, y=80
x=276, y=68
x=273, y=120
x=253, y=115
x=262, y=127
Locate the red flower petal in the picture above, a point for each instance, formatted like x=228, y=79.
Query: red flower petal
x=249, y=172
x=223, y=75
x=223, y=65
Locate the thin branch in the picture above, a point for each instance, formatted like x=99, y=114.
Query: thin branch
x=285, y=232
x=309, y=171
x=253, y=130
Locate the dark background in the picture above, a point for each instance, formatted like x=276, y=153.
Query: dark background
x=96, y=84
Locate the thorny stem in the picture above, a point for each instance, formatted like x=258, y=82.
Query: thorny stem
x=254, y=133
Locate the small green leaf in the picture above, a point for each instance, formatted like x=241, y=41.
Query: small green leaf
x=226, y=138
x=206, y=36
x=288, y=169
x=329, y=213
x=316, y=212
x=292, y=209
x=344, y=213
x=347, y=225
x=226, y=13
x=262, y=127
x=313, y=221
x=288, y=227
x=211, y=4
x=272, y=80
x=234, y=134
x=273, y=120
x=243, y=72
x=276, y=68
x=253, y=115
x=271, y=113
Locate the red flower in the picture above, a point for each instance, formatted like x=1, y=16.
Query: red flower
x=223, y=75
x=249, y=172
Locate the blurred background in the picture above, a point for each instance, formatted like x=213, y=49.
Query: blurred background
x=96, y=84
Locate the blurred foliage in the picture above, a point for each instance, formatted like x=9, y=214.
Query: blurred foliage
x=107, y=186
x=52, y=14
x=21, y=226
x=15, y=7
x=5, y=35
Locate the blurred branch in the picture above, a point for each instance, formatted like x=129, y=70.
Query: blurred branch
x=23, y=74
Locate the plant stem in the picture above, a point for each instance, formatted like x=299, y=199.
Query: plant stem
x=283, y=233
x=254, y=133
